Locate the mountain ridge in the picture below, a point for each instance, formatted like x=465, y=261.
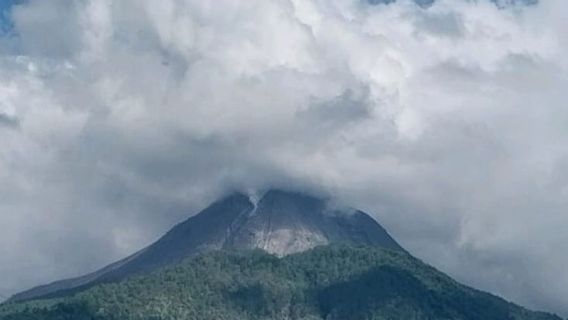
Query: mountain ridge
x=281, y=222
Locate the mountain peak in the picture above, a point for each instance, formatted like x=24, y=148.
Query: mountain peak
x=281, y=223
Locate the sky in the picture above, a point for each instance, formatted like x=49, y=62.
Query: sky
x=446, y=122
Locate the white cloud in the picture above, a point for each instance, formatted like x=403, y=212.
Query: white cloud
x=448, y=123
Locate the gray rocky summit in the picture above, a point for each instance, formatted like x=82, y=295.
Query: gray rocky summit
x=280, y=223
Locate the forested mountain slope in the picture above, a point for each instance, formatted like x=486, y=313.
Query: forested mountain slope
x=330, y=282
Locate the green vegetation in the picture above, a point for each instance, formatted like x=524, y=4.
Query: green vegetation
x=335, y=282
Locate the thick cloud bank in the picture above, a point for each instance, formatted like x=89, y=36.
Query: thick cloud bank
x=448, y=122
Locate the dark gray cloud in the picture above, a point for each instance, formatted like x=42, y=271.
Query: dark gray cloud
x=447, y=123
x=9, y=121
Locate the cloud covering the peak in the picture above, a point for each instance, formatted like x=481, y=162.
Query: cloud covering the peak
x=447, y=122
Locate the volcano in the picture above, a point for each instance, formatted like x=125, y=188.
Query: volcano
x=280, y=223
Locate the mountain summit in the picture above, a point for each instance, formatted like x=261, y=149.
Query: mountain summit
x=280, y=223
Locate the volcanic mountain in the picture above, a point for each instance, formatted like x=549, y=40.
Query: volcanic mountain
x=280, y=223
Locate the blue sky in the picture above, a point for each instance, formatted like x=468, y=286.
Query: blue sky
x=5, y=6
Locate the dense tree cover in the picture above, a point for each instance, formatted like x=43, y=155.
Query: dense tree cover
x=335, y=282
